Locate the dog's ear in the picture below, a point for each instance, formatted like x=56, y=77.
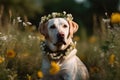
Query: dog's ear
x=73, y=27
x=43, y=29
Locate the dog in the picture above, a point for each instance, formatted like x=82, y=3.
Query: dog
x=59, y=47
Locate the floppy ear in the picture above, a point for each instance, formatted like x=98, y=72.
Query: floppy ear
x=43, y=29
x=73, y=27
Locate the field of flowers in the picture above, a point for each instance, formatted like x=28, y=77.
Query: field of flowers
x=20, y=56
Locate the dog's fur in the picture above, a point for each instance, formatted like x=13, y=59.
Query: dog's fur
x=71, y=67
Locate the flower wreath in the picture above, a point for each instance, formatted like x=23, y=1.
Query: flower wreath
x=56, y=15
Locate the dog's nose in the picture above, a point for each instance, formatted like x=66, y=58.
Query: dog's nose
x=60, y=38
x=60, y=35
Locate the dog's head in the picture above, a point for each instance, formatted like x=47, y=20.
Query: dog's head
x=58, y=32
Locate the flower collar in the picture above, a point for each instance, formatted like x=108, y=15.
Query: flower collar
x=56, y=55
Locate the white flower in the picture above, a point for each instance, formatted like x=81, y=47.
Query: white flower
x=64, y=12
x=4, y=38
x=54, y=14
x=24, y=24
x=49, y=15
x=19, y=19
x=29, y=23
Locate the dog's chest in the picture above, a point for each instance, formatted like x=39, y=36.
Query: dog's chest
x=63, y=64
x=66, y=70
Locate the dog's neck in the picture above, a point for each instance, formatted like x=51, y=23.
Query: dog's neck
x=58, y=54
x=58, y=48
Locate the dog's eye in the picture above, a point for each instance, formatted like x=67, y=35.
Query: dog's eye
x=52, y=27
x=65, y=26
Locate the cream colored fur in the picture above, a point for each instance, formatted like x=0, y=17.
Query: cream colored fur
x=71, y=67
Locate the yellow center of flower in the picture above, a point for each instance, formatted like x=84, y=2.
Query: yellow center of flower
x=111, y=59
x=1, y=59
x=11, y=54
x=40, y=74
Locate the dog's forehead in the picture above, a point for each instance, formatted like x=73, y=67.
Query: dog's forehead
x=57, y=21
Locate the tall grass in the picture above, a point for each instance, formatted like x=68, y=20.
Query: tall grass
x=19, y=52
x=20, y=56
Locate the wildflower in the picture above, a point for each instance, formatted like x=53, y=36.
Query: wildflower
x=1, y=59
x=111, y=59
x=40, y=74
x=11, y=53
x=92, y=39
x=115, y=18
x=54, y=69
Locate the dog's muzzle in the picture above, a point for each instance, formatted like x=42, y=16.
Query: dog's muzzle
x=60, y=39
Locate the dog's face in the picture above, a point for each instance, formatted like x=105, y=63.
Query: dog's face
x=58, y=32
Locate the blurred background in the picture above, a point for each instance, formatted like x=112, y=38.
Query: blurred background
x=98, y=37
x=85, y=12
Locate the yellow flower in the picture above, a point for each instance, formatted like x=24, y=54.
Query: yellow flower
x=54, y=69
x=1, y=59
x=11, y=53
x=111, y=59
x=92, y=39
x=40, y=74
x=115, y=18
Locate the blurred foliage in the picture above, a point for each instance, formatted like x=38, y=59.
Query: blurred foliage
x=10, y=9
x=20, y=56
x=82, y=10
x=18, y=7
x=19, y=49
x=19, y=41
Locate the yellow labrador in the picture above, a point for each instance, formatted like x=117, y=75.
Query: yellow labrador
x=59, y=47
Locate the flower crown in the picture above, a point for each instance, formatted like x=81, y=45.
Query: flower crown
x=56, y=15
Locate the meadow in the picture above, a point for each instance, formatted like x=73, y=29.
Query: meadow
x=20, y=54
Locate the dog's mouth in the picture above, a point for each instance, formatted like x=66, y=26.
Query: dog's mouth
x=60, y=41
